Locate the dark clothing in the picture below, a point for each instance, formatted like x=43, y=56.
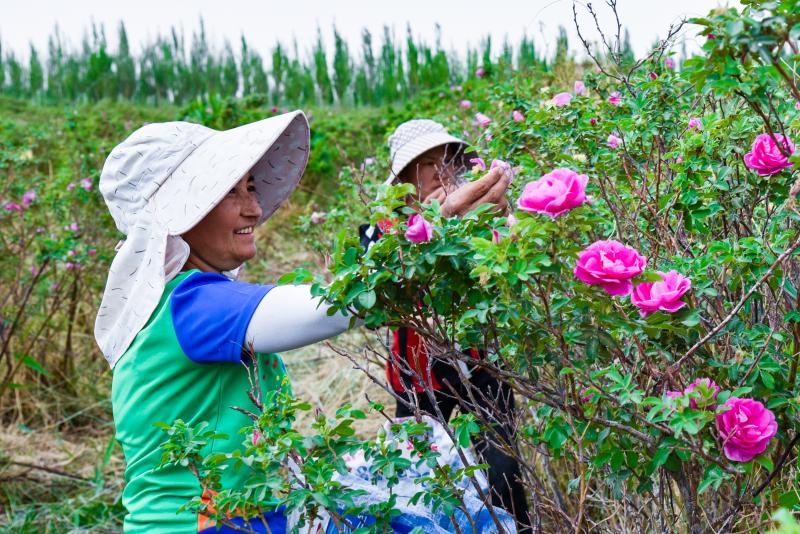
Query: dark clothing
x=488, y=392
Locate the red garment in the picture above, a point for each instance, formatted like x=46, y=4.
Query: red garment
x=417, y=360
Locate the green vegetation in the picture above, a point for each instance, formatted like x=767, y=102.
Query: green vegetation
x=168, y=70
x=608, y=426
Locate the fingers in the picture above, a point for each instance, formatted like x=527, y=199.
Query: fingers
x=439, y=194
x=495, y=195
x=480, y=187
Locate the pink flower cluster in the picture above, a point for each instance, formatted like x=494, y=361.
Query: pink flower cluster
x=564, y=99
x=745, y=426
x=702, y=393
x=663, y=295
x=418, y=229
x=766, y=158
x=482, y=120
x=27, y=198
x=555, y=193
x=610, y=265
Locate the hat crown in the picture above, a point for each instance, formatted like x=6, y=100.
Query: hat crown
x=137, y=167
x=411, y=130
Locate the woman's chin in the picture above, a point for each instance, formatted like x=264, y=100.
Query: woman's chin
x=246, y=254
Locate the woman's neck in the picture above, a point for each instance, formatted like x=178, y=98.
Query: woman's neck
x=195, y=261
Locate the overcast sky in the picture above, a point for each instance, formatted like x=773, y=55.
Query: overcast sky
x=266, y=21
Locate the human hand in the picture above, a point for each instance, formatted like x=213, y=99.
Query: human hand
x=489, y=189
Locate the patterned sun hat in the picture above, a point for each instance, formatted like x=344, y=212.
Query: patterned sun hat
x=163, y=180
x=412, y=139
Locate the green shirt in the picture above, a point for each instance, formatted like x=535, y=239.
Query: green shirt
x=156, y=381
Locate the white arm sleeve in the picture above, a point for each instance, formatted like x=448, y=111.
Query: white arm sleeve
x=288, y=317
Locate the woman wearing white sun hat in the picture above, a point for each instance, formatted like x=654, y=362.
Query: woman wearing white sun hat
x=173, y=322
x=424, y=154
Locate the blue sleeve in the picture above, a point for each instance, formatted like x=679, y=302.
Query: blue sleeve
x=210, y=314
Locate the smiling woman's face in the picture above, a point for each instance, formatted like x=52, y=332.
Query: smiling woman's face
x=224, y=239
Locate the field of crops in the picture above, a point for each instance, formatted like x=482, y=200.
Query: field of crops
x=641, y=298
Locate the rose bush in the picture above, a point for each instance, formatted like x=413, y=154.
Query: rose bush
x=601, y=319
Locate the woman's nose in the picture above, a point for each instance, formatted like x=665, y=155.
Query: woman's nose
x=252, y=208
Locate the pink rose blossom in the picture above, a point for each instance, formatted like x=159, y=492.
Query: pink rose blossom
x=434, y=447
x=482, y=120
x=613, y=141
x=555, y=193
x=500, y=163
x=746, y=429
x=34, y=270
x=615, y=98
x=70, y=186
x=74, y=227
x=593, y=121
x=273, y=109
x=86, y=183
x=256, y=437
x=478, y=164
x=673, y=394
x=669, y=63
x=679, y=159
x=28, y=197
x=495, y=236
x=702, y=393
x=517, y=116
x=579, y=87
x=91, y=252
x=797, y=105
x=480, y=72
x=694, y=124
x=318, y=217
x=419, y=230
x=13, y=206
x=465, y=104
x=511, y=220
x=652, y=75
x=766, y=158
x=489, y=136
x=71, y=253
x=610, y=265
x=562, y=99
x=664, y=295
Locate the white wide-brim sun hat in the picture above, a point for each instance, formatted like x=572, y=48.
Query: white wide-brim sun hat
x=413, y=138
x=163, y=180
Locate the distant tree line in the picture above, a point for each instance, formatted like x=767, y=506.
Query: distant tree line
x=170, y=69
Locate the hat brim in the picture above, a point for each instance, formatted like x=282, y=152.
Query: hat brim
x=275, y=150
x=418, y=146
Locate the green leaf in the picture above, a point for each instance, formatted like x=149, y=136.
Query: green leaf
x=367, y=299
x=33, y=364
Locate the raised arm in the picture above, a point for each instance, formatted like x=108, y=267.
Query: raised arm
x=289, y=317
